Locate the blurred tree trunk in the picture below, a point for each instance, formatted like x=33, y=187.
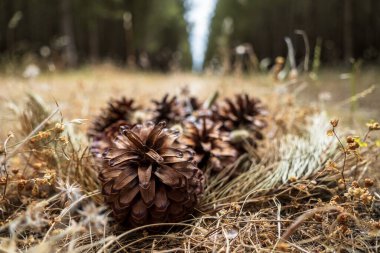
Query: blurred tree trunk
x=374, y=7
x=10, y=31
x=313, y=21
x=347, y=30
x=129, y=45
x=93, y=40
x=70, y=51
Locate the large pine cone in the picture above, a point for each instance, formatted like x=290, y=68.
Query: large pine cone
x=118, y=111
x=209, y=142
x=168, y=109
x=148, y=177
x=243, y=112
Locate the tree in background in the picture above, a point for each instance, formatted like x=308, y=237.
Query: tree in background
x=348, y=29
x=70, y=55
x=137, y=33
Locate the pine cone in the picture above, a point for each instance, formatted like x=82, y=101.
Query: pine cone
x=148, y=177
x=191, y=105
x=118, y=110
x=168, y=110
x=102, y=141
x=243, y=113
x=209, y=142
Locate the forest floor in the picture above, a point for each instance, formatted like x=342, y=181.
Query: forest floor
x=304, y=194
x=89, y=88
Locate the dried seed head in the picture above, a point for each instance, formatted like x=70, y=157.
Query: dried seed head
x=334, y=122
x=355, y=184
x=366, y=198
x=353, y=146
x=372, y=126
x=59, y=127
x=350, y=139
x=368, y=182
x=318, y=217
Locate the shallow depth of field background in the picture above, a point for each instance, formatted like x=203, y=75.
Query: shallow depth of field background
x=81, y=53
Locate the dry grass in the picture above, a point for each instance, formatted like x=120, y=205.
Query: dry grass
x=292, y=199
x=89, y=88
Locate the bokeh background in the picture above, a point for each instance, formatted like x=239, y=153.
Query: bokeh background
x=94, y=50
x=159, y=35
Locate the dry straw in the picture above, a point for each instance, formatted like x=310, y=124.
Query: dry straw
x=292, y=199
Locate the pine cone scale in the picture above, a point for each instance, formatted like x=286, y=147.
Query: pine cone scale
x=180, y=157
x=110, y=173
x=178, y=197
x=139, y=212
x=144, y=173
x=134, y=139
x=161, y=201
x=154, y=134
x=154, y=156
x=125, y=158
x=170, y=176
x=127, y=196
x=148, y=192
x=170, y=152
x=124, y=178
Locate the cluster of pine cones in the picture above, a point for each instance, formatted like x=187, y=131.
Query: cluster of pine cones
x=152, y=162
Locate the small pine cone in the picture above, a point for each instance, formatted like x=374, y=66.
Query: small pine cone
x=191, y=105
x=102, y=141
x=117, y=110
x=168, y=109
x=209, y=142
x=243, y=113
x=148, y=177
